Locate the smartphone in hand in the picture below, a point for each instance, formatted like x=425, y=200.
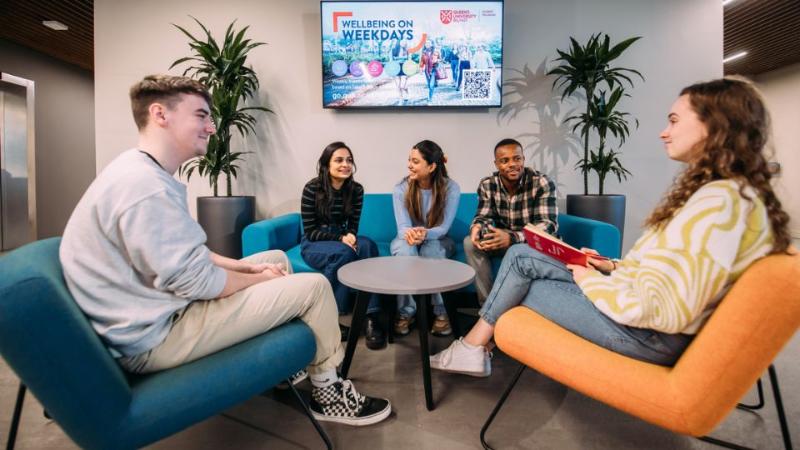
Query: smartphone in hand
x=483, y=233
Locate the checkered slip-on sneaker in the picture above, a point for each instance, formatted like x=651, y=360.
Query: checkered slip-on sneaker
x=341, y=403
x=295, y=379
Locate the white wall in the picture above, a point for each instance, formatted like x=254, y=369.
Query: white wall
x=682, y=44
x=781, y=89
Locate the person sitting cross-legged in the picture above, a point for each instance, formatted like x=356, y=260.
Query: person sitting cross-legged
x=719, y=217
x=137, y=264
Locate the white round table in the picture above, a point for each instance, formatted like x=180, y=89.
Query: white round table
x=397, y=275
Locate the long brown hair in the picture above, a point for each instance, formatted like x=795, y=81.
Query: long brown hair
x=737, y=123
x=431, y=153
x=324, y=196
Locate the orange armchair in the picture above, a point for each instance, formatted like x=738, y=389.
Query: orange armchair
x=753, y=322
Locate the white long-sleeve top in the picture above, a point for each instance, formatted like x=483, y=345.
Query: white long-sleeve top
x=133, y=256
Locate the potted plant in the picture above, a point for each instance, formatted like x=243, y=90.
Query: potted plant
x=223, y=71
x=587, y=69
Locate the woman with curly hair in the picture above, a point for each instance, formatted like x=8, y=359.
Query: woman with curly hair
x=720, y=216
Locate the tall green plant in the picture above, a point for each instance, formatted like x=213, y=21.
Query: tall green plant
x=223, y=71
x=586, y=69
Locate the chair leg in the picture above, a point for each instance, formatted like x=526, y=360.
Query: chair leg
x=12, y=431
x=314, y=422
x=722, y=443
x=499, y=405
x=758, y=405
x=776, y=392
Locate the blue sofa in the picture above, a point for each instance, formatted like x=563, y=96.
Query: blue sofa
x=378, y=223
x=51, y=346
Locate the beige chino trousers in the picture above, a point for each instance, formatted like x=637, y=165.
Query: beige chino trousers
x=207, y=326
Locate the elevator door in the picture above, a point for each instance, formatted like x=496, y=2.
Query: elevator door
x=17, y=192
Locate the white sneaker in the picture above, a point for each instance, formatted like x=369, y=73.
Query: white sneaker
x=458, y=358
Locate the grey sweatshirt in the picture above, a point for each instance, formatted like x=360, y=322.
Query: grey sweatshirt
x=133, y=256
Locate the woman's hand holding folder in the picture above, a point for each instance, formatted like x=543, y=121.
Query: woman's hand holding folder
x=598, y=261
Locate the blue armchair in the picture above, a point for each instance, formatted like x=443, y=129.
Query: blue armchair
x=51, y=346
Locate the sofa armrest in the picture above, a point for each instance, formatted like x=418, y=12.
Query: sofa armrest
x=582, y=232
x=278, y=233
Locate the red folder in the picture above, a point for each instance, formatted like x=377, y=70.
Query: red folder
x=552, y=246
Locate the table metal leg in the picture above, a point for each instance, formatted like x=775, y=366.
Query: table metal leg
x=450, y=305
x=360, y=310
x=389, y=304
x=422, y=320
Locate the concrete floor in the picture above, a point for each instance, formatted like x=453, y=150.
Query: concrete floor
x=540, y=413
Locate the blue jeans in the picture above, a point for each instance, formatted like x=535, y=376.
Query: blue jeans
x=433, y=248
x=546, y=286
x=430, y=80
x=329, y=256
x=462, y=66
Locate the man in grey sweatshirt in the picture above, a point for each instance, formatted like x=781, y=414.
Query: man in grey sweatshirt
x=137, y=263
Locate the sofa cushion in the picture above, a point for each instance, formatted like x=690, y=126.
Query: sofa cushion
x=467, y=205
x=377, y=218
x=168, y=401
x=298, y=264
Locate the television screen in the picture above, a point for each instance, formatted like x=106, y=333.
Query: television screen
x=411, y=54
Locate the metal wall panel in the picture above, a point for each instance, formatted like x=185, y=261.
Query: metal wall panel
x=17, y=214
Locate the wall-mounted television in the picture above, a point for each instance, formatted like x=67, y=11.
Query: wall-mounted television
x=411, y=54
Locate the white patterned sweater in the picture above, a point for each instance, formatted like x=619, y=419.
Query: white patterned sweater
x=674, y=277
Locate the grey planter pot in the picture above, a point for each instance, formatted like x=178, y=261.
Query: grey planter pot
x=223, y=219
x=605, y=208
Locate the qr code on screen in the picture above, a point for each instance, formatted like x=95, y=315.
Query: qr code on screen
x=477, y=84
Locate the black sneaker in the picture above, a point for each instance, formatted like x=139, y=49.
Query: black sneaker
x=341, y=403
x=374, y=335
